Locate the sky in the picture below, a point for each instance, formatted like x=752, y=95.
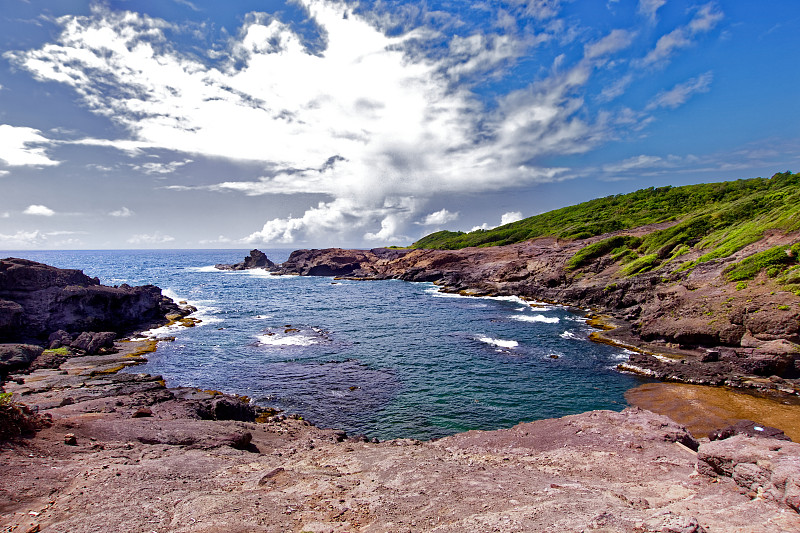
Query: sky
x=317, y=123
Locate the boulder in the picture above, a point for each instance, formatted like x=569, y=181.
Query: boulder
x=16, y=356
x=228, y=408
x=59, y=338
x=92, y=342
x=768, y=468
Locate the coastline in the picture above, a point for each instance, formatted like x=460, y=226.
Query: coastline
x=122, y=451
x=125, y=452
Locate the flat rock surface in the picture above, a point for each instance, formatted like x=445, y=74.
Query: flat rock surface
x=144, y=460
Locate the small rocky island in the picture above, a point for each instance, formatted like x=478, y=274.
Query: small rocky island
x=256, y=259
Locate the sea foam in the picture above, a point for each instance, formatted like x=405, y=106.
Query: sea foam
x=499, y=342
x=286, y=340
x=537, y=318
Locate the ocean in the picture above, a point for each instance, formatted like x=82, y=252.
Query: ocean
x=386, y=359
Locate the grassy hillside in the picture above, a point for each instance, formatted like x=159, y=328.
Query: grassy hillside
x=715, y=218
x=728, y=199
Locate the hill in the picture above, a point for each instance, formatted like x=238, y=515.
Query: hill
x=719, y=218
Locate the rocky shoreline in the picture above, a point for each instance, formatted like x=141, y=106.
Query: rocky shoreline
x=121, y=451
x=686, y=326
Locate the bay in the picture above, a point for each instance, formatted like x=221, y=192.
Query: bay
x=387, y=359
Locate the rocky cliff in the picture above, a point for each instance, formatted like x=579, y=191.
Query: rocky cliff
x=692, y=325
x=37, y=301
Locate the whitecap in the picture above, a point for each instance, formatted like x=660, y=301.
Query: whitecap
x=262, y=317
x=262, y=273
x=568, y=335
x=286, y=340
x=499, y=342
x=537, y=318
x=207, y=268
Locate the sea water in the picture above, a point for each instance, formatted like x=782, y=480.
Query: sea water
x=383, y=358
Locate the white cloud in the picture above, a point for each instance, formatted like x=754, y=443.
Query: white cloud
x=679, y=94
x=4, y=173
x=438, y=218
x=485, y=226
x=648, y=8
x=21, y=146
x=511, y=216
x=39, y=210
x=705, y=20
x=5, y=214
x=154, y=238
x=123, y=212
x=367, y=121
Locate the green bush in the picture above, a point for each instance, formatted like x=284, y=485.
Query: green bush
x=641, y=265
x=589, y=253
x=774, y=260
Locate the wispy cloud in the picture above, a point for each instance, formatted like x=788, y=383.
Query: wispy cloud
x=123, y=212
x=648, y=8
x=155, y=168
x=704, y=20
x=679, y=94
x=151, y=239
x=22, y=239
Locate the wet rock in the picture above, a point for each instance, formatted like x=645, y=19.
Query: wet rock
x=749, y=428
x=229, y=408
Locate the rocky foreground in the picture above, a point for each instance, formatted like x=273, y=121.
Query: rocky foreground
x=122, y=452
x=692, y=326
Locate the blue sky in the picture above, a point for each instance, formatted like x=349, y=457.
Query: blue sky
x=199, y=124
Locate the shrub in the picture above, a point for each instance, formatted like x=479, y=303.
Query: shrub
x=17, y=419
x=774, y=260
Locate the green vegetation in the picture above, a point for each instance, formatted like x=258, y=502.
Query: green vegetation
x=64, y=350
x=601, y=248
x=716, y=219
x=774, y=261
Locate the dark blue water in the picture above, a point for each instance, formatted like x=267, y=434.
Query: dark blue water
x=388, y=358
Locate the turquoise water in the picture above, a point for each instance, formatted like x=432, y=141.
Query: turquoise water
x=383, y=358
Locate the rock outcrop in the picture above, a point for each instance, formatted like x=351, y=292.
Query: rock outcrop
x=256, y=259
x=38, y=300
x=765, y=468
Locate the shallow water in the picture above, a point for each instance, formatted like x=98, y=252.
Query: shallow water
x=387, y=359
x=705, y=409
